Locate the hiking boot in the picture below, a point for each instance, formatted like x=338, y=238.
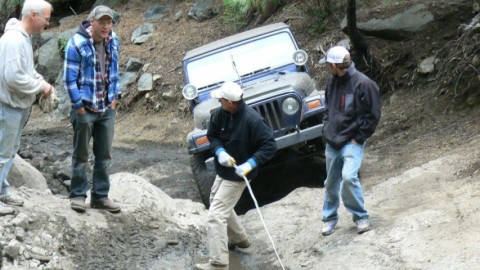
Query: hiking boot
x=242, y=244
x=210, y=266
x=78, y=204
x=10, y=200
x=105, y=204
x=363, y=225
x=329, y=227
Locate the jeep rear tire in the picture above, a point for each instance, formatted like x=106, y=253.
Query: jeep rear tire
x=203, y=177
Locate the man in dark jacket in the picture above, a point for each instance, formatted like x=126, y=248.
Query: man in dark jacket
x=352, y=115
x=237, y=135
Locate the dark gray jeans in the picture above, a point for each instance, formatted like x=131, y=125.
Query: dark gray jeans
x=100, y=127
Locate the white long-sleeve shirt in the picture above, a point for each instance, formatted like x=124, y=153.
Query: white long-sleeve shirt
x=19, y=81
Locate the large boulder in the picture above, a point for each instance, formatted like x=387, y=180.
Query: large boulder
x=49, y=60
x=204, y=9
x=24, y=174
x=67, y=34
x=398, y=27
x=43, y=38
x=142, y=33
x=156, y=12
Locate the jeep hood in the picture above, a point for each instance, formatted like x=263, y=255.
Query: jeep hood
x=257, y=91
x=266, y=88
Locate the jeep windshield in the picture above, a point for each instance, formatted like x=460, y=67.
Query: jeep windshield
x=260, y=55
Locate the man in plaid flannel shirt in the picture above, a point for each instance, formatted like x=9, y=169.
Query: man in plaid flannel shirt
x=91, y=78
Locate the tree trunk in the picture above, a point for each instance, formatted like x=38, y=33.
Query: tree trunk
x=270, y=8
x=364, y=60
x=358, y=42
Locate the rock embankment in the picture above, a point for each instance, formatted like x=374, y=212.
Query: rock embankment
x=46, y=234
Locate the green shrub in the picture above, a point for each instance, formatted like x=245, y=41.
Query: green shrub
x=235, y=13
x=317, y=17
x=261, y=5
x=62, y=44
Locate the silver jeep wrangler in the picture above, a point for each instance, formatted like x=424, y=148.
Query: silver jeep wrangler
x=272, y=71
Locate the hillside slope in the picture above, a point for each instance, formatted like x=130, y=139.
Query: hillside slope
x=420, y=173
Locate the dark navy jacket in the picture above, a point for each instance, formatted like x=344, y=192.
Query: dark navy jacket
x=244, y=134
x=353, y=108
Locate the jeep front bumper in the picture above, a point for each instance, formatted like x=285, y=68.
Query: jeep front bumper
x=285, y=141
x=299, y=136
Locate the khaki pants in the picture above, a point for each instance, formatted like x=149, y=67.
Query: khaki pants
x=223, y=222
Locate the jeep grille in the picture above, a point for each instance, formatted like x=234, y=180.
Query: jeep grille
x=272, y=113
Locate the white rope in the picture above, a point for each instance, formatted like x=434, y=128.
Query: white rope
x=261, y=218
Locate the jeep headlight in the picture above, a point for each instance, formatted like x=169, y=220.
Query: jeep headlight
x=189, y=91
x=300, y=57
x=290, y=106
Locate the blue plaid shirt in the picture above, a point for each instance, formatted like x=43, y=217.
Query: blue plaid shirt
x=82, y=76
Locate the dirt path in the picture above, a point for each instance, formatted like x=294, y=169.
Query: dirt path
x=420, y=175
x=423, y=218
x=48, y=146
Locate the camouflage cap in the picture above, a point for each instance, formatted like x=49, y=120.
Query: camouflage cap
x=100, y=11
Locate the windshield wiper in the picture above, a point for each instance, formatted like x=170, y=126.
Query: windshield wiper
x=255, y=72
x=211, y=85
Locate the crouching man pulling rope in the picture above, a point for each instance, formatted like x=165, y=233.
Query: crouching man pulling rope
x=237, y=135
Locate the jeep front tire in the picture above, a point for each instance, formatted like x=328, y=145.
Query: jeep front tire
x=203, y=177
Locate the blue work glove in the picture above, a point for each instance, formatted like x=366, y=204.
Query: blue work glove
x=246, y=167
x=224, y=158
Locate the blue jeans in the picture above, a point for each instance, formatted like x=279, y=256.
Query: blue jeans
x=100, y=127
x=342, y=178
x=12, y=122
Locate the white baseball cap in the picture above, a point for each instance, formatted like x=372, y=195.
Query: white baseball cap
x=228, y=90
x=335, y=55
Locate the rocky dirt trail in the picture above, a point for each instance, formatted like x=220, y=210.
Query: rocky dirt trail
x=153, y=231
x=421, y=179
x=423, y=212
x=425, y=217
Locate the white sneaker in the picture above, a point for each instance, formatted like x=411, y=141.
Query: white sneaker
x=329, y=227
x=363, y=225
